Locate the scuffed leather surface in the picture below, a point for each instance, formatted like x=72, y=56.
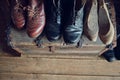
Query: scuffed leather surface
x=53, y=25
x=73, y=25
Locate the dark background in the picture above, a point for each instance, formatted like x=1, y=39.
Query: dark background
x=4, y=18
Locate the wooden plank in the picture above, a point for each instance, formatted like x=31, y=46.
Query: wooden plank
x=21, y=76
x=24, y=44
x=65, y=56
x=59, y=66
x=61, y=50
x=16, y=76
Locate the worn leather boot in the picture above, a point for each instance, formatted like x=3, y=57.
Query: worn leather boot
x=36, y=18
x=91, y=20
x=53, y=19
x=109, y=55
x=106, y=28
x=17, y=13
x=72, y=20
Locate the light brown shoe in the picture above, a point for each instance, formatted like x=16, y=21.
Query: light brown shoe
x=106, y=29
x=91, y=20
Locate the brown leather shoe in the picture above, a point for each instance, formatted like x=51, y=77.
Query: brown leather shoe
x=91, y=20
x=17, y=13
x=106, y=29
x=36, y=18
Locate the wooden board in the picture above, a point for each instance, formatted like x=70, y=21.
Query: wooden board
x=20, y=76
x=59, y=66
x=56, y=68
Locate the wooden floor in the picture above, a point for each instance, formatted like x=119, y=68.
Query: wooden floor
x=59, y=67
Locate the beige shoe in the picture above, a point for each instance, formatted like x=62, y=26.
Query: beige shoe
x=106, y=29
x=91, y=20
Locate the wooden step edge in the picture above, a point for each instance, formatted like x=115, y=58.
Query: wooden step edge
x=5, y=74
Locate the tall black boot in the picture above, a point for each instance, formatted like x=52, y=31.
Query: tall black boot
x=109, y=55
x=53, y=19
x=72, y=20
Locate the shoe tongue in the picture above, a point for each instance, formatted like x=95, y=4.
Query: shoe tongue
x=33, y=3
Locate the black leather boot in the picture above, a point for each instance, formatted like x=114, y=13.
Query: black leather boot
x=109, y=55
x=53, y=19
x=72, y=20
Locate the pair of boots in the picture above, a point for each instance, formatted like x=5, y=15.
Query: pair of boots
x=64, y=18
x=97, y=22
x=29, y=13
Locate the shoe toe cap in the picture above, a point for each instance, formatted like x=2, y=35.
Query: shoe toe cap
x=109, y=56
x=72, y=34
x=53, y=31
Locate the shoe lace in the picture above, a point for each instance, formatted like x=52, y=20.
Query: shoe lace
x=33, y=12
x=74, y=13
x=75, y=16
x=57, y=6
x=19, y=6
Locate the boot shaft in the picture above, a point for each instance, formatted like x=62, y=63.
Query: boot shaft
x=53, y=10
x=72, y=10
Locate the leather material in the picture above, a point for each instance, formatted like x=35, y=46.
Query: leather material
x=36, y=18
x=106, y=28
x=53, y=20
x=53, y=32
x=91, y=20
x=72, y=21
x=109, y=55
x=17, y=13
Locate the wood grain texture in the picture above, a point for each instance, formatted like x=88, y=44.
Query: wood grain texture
x=19, y=76
x=59, y=66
